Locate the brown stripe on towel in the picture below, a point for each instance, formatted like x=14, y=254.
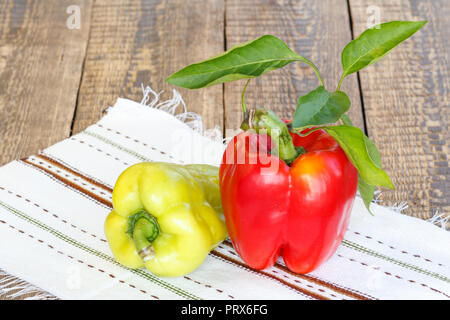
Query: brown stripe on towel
x=70, y=184
x=268, y=275
x=59, y=163
x=332, y=286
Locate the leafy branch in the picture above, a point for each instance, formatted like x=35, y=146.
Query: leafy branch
x=319, y=108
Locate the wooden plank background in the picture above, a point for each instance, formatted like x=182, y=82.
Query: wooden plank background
x=142, y=42
x=55, y=81
x=40, y=68
x=406, y=103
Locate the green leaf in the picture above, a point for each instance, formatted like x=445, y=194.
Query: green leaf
x=366, y=190
x=376, y=42
x=320, y=107
x=373, y=152
x=353, y=141
x=244, y=61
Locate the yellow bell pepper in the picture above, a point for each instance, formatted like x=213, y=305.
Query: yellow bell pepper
x=166, y=217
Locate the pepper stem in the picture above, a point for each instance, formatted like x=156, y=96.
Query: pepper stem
x=270, y=123
x=144, y=229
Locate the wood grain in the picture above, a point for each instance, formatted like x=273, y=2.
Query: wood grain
x=13, y=288
x=317, y=30
x=40, y=69
x=406, y=100
x=143, y=42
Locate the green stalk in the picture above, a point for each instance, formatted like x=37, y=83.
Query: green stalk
x=267, y=121
x=316, y=70
x=244, y=108
x=144, y=229
x=340, y=82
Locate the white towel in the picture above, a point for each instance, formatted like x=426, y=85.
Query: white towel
x=53, y=206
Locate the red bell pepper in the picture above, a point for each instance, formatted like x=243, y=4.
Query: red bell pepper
x=300, y=211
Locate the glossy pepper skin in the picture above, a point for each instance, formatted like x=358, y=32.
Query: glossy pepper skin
x=166, y=217
x=299, y=211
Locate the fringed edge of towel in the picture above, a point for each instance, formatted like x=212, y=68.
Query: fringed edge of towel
x=171, y=106
x=12, y=287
